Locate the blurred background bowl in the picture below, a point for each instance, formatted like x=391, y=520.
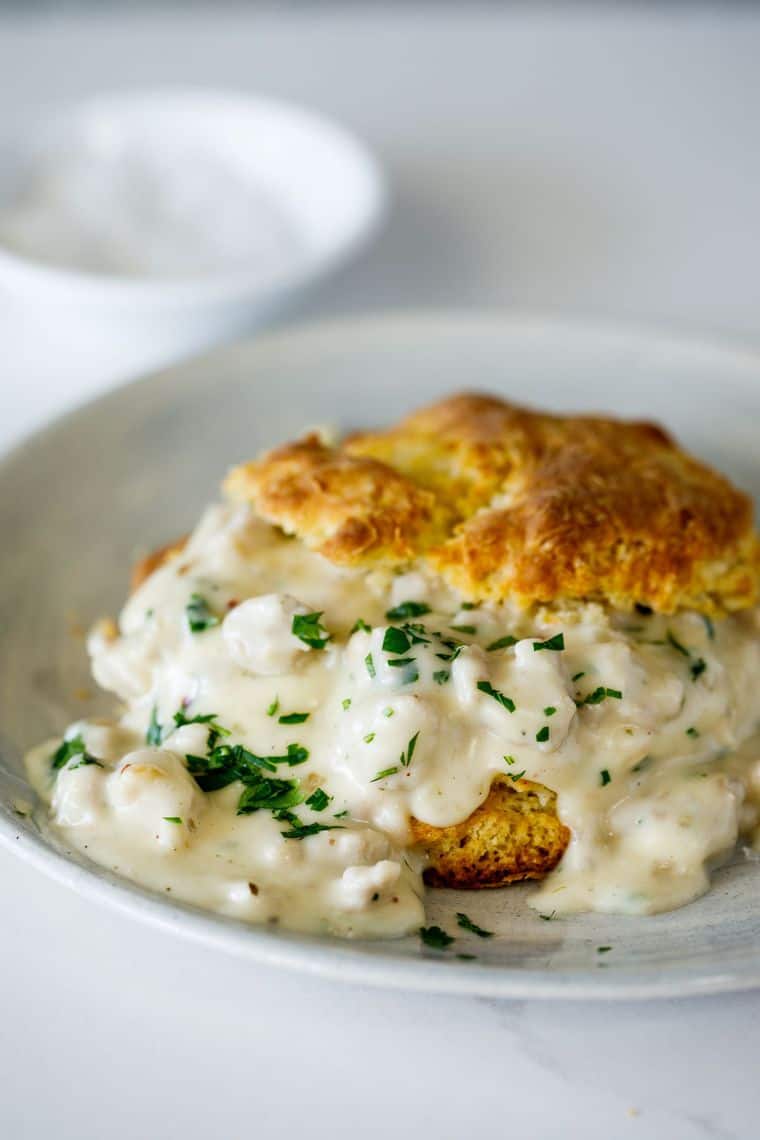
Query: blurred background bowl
x=324, y=184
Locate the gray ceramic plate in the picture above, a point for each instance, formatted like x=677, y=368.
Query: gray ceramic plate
x=129, y=471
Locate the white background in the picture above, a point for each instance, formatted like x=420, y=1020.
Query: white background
x=600, y=160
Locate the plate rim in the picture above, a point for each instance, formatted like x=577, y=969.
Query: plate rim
x=342, y=960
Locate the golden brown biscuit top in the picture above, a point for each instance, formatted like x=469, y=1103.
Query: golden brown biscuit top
x=504, y=502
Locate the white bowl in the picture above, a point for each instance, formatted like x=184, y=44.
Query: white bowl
x=323, y=181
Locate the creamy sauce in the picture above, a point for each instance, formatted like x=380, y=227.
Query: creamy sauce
x=644, y=726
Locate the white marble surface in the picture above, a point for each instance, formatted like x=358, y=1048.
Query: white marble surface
x=601, y=161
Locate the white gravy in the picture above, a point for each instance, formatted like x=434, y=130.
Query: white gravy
x=656, y=774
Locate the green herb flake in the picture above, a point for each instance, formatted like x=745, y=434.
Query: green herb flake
x=694, y=732
x=67, y=750
x=199, y=614
x=577, y=676
x=360, y=624
x=341, y=814
x=395, y=640
x=470, y=629
x=603, y=949
x=172, y=819
x=308, y=628
x=709, y=627
x=385, y=772
x=673, y=641
x=406, y=757
x=293, y=718
x=318, y=800
x=388, y=712
x=515, y=776
x=407, y=610
x=604, y=777
x=547, y=917
x=399, y=662
x=216, y=730
x=300, y=830
x=467, y=924
x=435, y=938
x=369, y=738
x=510, y=759
x=556, y=644
x=469, y=605
x=370, y=665
x=274, y=707
x=505, y=701
x=502, y=643
x=549, y=710
x=155, y=731
x=543, y=734
x=598, y=695
x=441, y=676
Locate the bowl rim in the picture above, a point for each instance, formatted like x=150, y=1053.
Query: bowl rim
x=29, y=273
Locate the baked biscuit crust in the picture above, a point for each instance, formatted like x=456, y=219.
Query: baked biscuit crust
x=515, y=834
x=504, y=502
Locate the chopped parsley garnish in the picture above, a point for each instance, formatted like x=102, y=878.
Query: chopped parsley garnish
x=341, y=814
x=698, y=667
x=435, y=938
x=556, y=643
x=407, y=610
x=577, y=676
x=399, y=662
x=509, y=759
x=172, y=819
x=308, y=628
x=406, y=757
x=385, y=772
x=467, y=924
x=600, y=694
x=360, y=623
x=441, y=676
x=293, y=718
x=502, y=643
x=543, y=734
x=395, y=640
x=604, y=777
x=369, y=738
x=549, y=710
x=469, y=605
x=388, y=712
x=547, y=917
x=692, y=731
x=216, y=730
x=370, y=665
x=268, y=794
x=226, y=763
x=346, y=702
x=199, y=614
x=515, y=776
x=505, y=701
x=471, y=629
x=672, y=640
x=273, y=708
x=68, y=750
x=318, y=800
x=155, y=731
x=603, y=949
x=709, y=627
x=300, y=830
